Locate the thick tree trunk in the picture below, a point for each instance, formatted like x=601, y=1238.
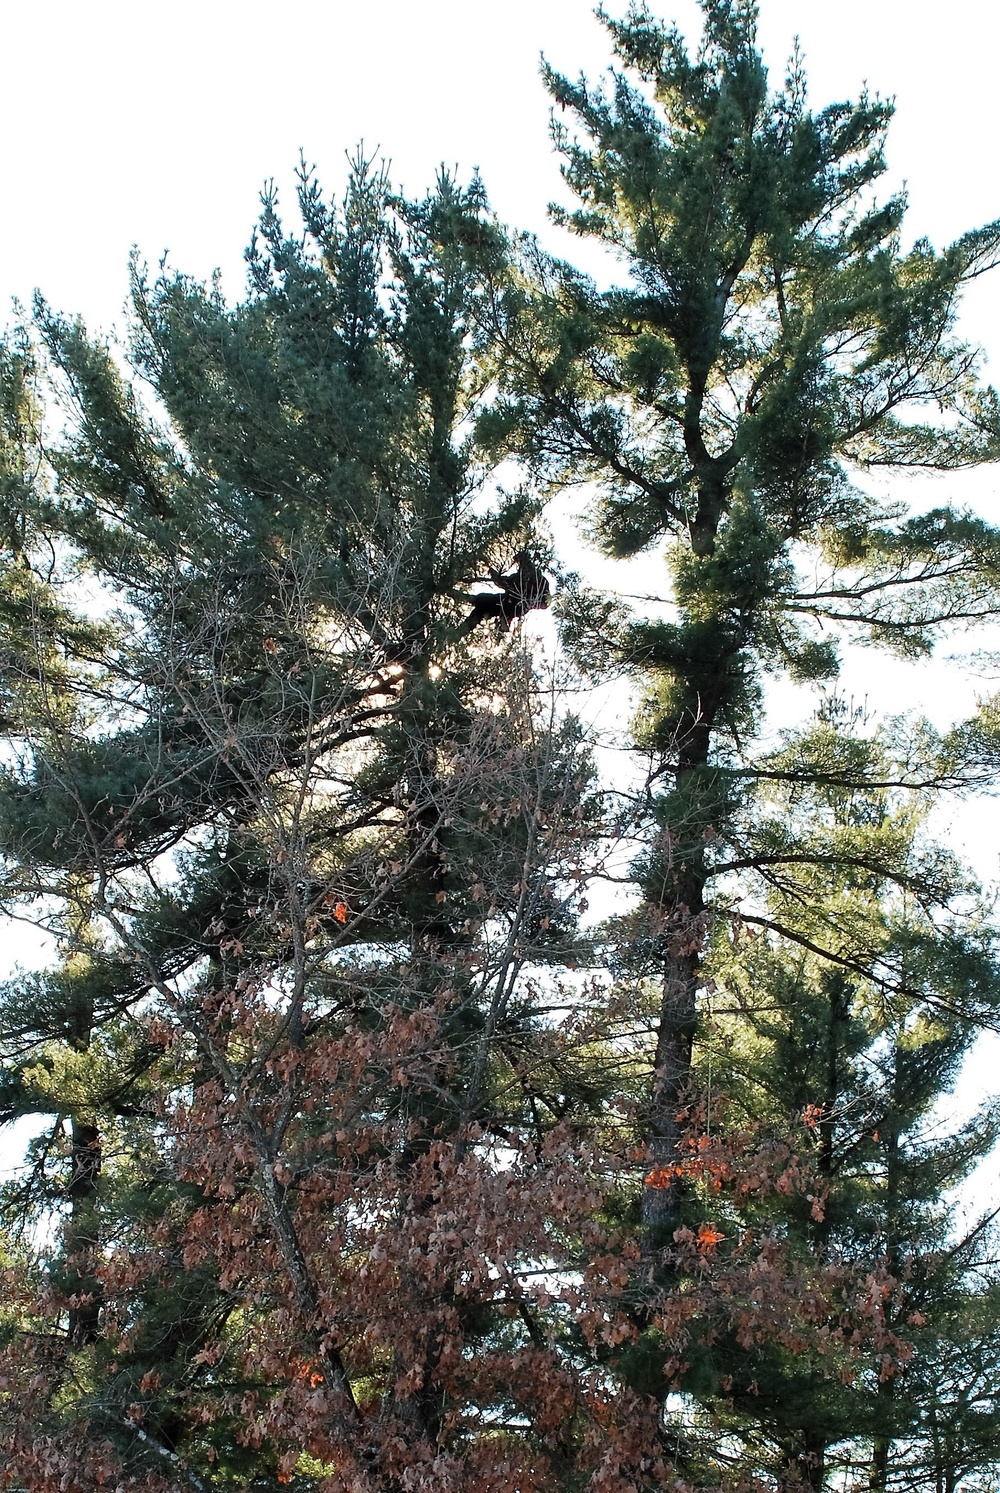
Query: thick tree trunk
x=82, y=1237
x=682, y=910
x=807, y=1464
x=879, y=1470
x=671, y=1074
x=82, y=1233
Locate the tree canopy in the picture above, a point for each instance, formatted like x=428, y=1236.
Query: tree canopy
x=379, y=1145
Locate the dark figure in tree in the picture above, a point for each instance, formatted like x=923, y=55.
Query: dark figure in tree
x=523, y=589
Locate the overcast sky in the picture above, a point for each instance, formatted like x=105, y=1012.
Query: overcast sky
x=125, y=122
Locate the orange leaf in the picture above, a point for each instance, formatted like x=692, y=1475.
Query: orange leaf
x=340, y=912
x=708, y=1237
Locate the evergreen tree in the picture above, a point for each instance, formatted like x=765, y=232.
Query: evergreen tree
x=298, y=850
x=771, y=341
x=868, y=1072
x=768, y=341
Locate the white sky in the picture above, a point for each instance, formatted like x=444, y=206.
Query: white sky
x=123, y=122
x=126, y=122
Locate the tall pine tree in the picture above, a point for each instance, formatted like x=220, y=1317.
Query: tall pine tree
x=769, y=342
x=299, y=832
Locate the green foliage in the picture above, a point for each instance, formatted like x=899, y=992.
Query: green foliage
x=362, y=1160
x=770, y=340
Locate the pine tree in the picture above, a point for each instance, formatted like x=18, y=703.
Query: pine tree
x=771, y=340
x=867, y=1072
x=299, y=849
x=768, y=341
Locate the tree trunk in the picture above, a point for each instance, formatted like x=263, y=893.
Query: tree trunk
x=807, y=1463
x=82, y=1233
x=671, y=1073
x=682, y=909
